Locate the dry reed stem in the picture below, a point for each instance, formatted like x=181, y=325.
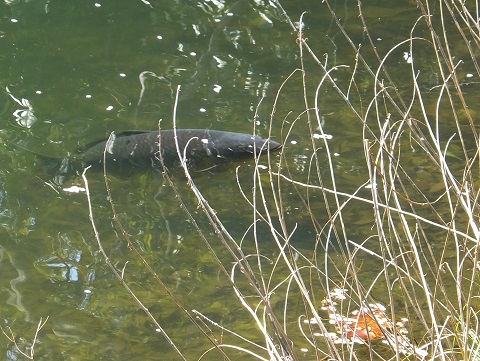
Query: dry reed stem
x=416, y=279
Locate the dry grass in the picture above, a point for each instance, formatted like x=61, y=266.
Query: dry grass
x=423, y=240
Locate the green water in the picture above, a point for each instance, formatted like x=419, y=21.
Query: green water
x=78, y=64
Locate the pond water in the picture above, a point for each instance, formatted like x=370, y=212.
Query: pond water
x=73, y=71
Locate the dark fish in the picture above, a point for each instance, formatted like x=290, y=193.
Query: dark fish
x=200, y=146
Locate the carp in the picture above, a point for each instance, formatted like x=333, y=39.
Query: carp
x=146, y=148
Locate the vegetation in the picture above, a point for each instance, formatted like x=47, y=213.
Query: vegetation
x=405, y=285
x=420, y=191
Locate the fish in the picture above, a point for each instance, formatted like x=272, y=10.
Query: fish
x=141, y=149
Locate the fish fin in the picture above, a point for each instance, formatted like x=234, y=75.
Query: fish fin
x=122, y=134
x=133, y=132
x=23, y=145
x=54, y=165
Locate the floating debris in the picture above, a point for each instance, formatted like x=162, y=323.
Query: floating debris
x=366, y=324
x=24, y=116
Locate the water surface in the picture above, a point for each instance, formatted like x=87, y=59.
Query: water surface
x=84, y=69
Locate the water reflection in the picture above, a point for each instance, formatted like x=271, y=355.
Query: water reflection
x=25, y=116
x=63, y=266
x=15, y=296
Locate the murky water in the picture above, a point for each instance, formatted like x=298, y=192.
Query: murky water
x=72, y=72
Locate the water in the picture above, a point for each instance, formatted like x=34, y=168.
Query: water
x=71, y=72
